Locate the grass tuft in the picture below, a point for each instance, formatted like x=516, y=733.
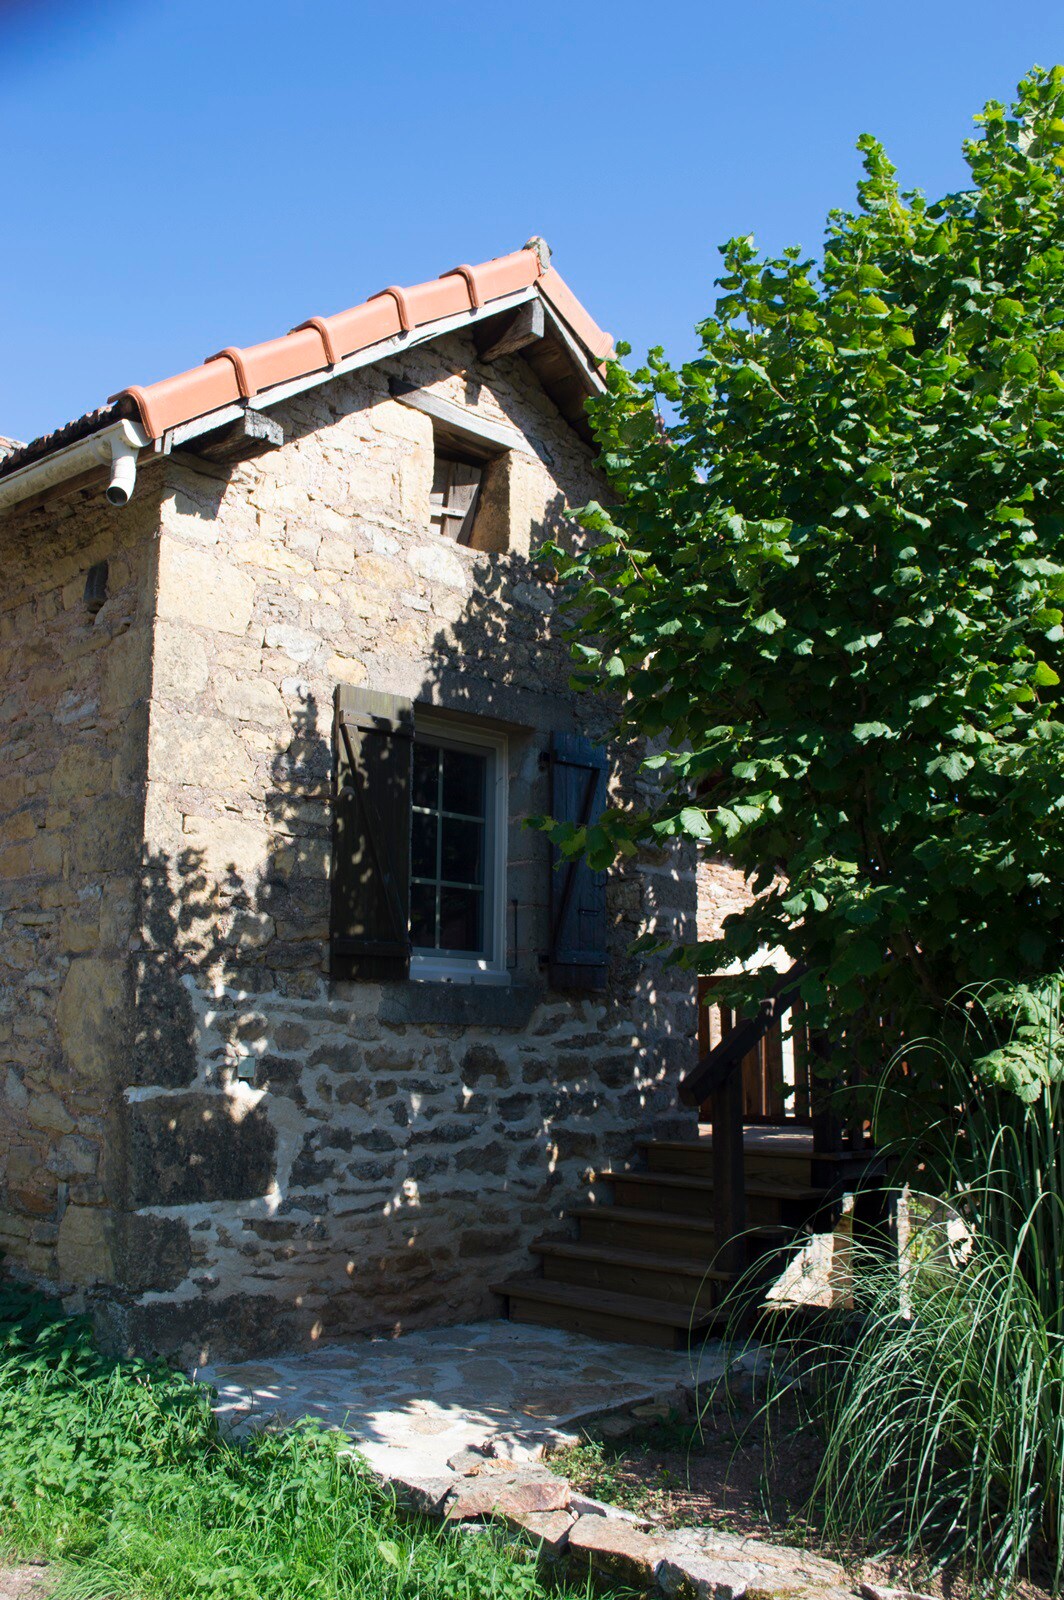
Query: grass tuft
x=941, y=1400
x=117, y=1471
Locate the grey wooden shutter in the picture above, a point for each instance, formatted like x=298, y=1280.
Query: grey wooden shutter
x=577, y=955
x=373, y=738
x=453, y=499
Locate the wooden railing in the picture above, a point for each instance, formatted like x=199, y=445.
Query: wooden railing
x=755, y=1045
x=768, y=1068
x=776, y=1070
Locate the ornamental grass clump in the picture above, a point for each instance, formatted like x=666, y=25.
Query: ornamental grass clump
x=944, y=1421
x=941, y=1400
x=117, y=1472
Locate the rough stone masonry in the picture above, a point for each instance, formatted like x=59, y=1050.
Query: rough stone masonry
x=207, y=1140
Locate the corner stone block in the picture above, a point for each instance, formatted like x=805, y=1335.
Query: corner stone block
x=151, y=1253
x=188, y=1148
x=97, y=1245
x=164, y=1026
x=199, y=587
x=202, y=752
x=107, y=837
x=90, y=1017
x=84, y=1246
x=228, y=846
x=79, y=772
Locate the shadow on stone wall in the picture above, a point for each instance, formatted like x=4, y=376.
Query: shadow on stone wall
x=324, y=1164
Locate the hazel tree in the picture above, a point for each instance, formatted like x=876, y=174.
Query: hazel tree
x=829, y=583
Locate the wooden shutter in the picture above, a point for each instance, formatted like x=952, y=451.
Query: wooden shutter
x=373, y=736
x=577, y=956
x=453, y=499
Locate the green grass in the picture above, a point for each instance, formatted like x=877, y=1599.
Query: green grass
x=116, y=1471
x=591, y=1466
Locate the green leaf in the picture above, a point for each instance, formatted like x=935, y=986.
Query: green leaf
x=955, y=765
x=830, y=587
x=695, y=823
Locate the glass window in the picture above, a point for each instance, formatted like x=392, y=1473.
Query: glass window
x=451, y=849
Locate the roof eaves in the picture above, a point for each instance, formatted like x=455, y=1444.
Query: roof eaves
x=326, y=346
x=235, y=375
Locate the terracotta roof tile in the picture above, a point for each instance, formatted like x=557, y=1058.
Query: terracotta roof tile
x=234, y=374
x=318, y=343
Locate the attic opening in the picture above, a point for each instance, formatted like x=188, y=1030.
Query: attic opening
x=470, y=497
x=454, y=496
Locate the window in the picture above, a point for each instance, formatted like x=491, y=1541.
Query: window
x=454, y=496
x=457, y=856
x=418, y=858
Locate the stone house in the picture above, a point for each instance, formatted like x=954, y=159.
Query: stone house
x=302, y=1034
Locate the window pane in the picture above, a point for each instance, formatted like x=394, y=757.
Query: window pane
x=462, y=920
x=426, y=770
x=423, y=845
x=463, y=851
x=464, y=777
x=423, y=915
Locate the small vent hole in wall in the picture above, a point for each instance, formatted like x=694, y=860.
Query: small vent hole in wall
x=96, y=587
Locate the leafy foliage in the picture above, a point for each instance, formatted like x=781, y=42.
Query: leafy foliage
x=831, y=584
x=118, y=1470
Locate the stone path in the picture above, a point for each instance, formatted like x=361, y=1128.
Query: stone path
x=26, y=1581
x=414, y=1402
x=459, y=1421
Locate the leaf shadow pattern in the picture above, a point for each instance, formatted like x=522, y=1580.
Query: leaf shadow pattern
x=334, y=1158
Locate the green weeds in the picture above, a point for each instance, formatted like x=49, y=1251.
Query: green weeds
x=117, y=1471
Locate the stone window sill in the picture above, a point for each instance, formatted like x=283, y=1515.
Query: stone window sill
x=459, y=1004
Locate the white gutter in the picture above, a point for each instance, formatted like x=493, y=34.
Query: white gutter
x=115, y=446
x=120, y=443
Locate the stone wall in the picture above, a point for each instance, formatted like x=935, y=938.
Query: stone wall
x=327, y=1158
x=722, y=891
x=73, y=733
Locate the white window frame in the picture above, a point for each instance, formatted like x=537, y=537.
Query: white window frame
x=425, y=967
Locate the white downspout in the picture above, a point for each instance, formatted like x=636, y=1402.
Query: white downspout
x=117, y=445
x=123, y=458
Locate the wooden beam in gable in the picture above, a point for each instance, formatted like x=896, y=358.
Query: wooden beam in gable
x=503, y=336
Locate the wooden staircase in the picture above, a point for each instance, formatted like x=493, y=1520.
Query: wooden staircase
x=645, y=1267
x=654, y=1264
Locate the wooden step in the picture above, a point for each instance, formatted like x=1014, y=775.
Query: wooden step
x=768, y=1200
x=663, y=1233
x=601, y=1314
x=634, y=1272
x=767, y=1153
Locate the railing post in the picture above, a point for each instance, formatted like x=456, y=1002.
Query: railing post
x=729, y=1177
x=827, y=1130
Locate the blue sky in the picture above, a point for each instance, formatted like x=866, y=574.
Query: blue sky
x=182, y=176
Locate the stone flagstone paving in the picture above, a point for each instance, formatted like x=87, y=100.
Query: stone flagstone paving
x=413, y=1402
x=455, y=1418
